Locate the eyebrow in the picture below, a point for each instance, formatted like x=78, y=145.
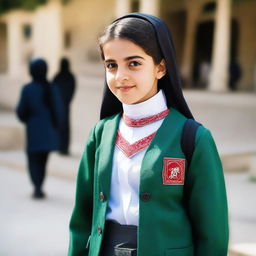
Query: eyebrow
x=126, y=59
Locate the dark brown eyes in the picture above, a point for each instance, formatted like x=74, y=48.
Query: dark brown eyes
x=111, y=66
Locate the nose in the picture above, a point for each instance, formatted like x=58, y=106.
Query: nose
x=122, y=75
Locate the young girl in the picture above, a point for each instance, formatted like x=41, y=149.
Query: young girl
x=136, y=194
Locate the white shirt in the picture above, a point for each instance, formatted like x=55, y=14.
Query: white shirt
x=123, y=205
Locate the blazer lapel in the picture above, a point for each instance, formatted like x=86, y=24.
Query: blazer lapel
x=107, y=147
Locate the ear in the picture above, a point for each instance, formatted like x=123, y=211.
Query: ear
x=161, y=69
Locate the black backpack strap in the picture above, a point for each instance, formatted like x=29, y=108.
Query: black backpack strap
x=188, y=139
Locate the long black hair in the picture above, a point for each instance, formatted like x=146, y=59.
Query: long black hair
x=153, y=36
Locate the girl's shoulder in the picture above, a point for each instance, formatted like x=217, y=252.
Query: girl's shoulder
x=108, y=123
x=202, y=135
x=204, y=141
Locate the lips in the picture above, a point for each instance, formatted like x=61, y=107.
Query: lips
x=125, y=88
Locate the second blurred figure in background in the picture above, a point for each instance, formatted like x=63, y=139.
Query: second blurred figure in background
x=65, y=81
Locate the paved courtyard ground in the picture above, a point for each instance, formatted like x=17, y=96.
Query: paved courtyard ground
x=29, y=227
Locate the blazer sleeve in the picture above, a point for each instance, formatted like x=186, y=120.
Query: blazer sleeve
x=207, y=201
x=81, y=219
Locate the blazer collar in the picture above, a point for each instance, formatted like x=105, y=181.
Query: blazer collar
x=168, y=135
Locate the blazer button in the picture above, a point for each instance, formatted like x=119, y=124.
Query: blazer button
x=102, y=197
x=99, y=230
x=145, y=196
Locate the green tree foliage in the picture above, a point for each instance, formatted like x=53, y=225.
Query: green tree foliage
x=241, y=1
x=6, y=5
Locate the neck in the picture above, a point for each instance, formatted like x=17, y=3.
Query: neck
x=152, y=106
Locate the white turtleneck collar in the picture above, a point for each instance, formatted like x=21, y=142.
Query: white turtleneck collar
x=152, y=106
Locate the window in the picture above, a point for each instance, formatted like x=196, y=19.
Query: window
x=27, y=31
x=135, y=5
x=67, y=39
x=209, y=8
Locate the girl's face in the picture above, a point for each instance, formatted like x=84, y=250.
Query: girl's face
x=131, y=74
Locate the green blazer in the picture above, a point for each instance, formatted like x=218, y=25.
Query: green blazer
x=174, y=219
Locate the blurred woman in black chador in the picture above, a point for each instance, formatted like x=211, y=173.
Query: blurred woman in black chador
x=136, y=193
x=65, y=82
x=40, y=109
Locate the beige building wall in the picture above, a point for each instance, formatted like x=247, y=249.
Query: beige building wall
x=175, y=16
x=17, y=46
x=47, y=34
x=17, y=51
x=57, y=30
x=45, y=39
x=82, y=22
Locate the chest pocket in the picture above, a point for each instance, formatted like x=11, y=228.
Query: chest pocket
x=188, y=251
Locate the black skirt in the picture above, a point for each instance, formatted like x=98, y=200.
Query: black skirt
x=119, y=240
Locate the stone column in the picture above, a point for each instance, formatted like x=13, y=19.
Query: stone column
x=3, y=47
x=122, y=7
x=150, y=7
x=221, y=47
x=48, y=34
x=14, y=44
x=193, y=9
x=252, y=168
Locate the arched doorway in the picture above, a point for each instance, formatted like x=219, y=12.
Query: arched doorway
x=3, y=48
x=202, y=54
x=235, y=72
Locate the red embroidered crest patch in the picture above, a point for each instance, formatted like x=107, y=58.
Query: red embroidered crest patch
x=174, y=171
